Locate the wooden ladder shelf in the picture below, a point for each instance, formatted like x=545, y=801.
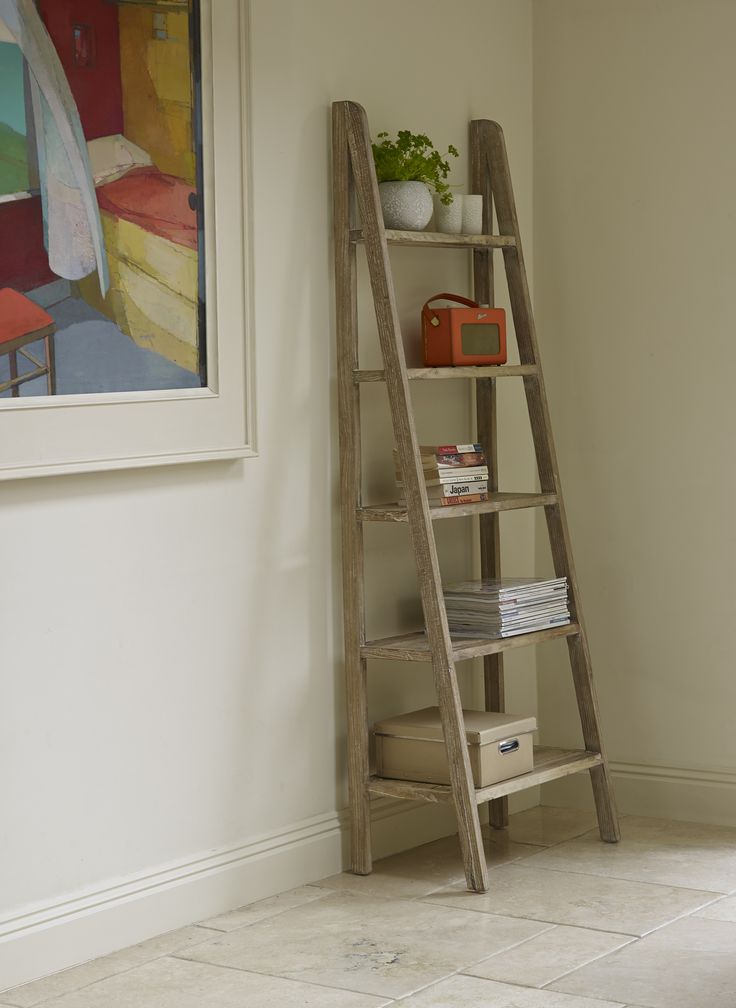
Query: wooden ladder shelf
x=354, y=176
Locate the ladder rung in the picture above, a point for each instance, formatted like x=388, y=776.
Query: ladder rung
x=418, y=374
x=415, y=646
x=495, y=502
x=413, y=790
x=549, y=764
x=434, y=239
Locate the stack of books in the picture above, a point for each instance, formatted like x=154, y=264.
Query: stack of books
x=506, y=607
x=454, y=474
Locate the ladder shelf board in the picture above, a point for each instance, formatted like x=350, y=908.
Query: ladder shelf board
x=413, y=790
x=495, y=502
x=434, y=239
x=549, y=764
x=476, y=371
x=415, y=646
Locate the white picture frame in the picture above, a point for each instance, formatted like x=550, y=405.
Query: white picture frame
x=51, y=435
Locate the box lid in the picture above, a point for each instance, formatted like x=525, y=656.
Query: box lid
x=481, y=727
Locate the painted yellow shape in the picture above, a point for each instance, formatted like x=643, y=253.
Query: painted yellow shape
x=130, y=303
x=157, y=89
x=160, y=309
x=172, y=265
x=153, y=291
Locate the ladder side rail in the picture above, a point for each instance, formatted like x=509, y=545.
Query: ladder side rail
x=346, y=320
x=549, y=472
x=529, y=353
x=420, y=526
x=486, y=425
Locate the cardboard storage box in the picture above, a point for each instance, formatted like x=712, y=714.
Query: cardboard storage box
x=411, y=746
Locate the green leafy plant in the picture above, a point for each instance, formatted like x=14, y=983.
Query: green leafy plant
x=412, y=157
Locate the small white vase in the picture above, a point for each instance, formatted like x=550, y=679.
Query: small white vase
x=407, y=206
x=448, y=218
x=472, y=215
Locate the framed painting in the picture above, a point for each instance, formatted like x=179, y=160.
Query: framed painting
x=125, y=321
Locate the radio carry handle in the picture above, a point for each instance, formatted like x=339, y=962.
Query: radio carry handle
x=430, y=316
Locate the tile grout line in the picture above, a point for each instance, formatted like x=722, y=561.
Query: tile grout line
x=86, y=986
x=618, y=878
x=222, y=931
x=660, y=927
x=433, y=983
x=280, y=976
x=210, y=933
x=454, y=973
x=460, y=878
x=632, y=939
x=194, y=962
x=541, y=920
x=588, y=927
x=595, y=958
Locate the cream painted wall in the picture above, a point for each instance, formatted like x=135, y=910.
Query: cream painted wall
x=171, y=729
x=635, y=160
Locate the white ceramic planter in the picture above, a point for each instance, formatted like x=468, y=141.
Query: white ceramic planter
x=407, y=206
x=448, y=218
x=472, y=214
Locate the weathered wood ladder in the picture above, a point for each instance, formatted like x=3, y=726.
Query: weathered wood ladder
x=354, y=175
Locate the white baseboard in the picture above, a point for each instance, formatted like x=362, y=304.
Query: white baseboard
x=44, y=939
x=663, y=792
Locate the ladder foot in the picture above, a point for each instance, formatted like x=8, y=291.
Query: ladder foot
x=473, y=853
x=605, y=806
x=498, y=813
x=476, y=875
x=361, y=858
x=361, y=855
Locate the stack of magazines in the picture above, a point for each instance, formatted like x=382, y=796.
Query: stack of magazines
x=453, y=474
x=506, y=607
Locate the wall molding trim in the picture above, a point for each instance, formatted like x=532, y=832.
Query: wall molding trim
x=41, y=939
x=658, y=772
x=695, y=794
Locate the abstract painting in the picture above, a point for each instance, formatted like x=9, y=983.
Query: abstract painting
x=102, y=271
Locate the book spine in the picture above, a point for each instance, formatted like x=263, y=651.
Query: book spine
x=455, y=461
x=457, y=489
x=455, y=476
x=457, y=449
x=454, y=479
x=472, y=498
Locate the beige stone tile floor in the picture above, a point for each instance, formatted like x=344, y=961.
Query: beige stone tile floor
x=568, y=922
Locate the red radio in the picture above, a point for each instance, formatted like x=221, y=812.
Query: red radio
x=454, y=337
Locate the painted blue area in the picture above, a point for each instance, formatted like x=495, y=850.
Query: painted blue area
x=93, y=355
x=12, y=97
